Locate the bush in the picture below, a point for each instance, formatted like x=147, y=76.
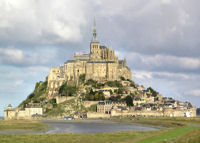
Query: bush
x=99, y=85
x=129, y=101
x=132, y=95
x=66, y=90
x=82, y=78
x=120, y=91
x=111, y=93
x=115, y=98
x=95, y=96
x=91, y=92
x=93, y=108
x=122, y=78
x=91, y=82
x=113, y=83
x=132, y=85
x=154, y=93
x=52, y=101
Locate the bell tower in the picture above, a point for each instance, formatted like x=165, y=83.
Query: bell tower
x=94, y=38
x=95, y=53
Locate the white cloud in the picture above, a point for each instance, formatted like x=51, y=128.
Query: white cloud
x=162, y=62
x=166, y=1
x=195, y=92
x=37, y=69
x=168, y=60
x=46, y=21
x=12, y=55
x=18, y=83
x=18, y=57
x=142, y=75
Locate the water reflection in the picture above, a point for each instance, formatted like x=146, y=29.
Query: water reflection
x=81, y=126
x=93, y=127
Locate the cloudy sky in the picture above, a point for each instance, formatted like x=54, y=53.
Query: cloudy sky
x=159, y=39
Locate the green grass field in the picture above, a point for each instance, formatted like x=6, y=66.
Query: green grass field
x=22, y=124
x=180, y=130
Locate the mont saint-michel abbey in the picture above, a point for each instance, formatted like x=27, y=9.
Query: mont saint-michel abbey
x=100, y=64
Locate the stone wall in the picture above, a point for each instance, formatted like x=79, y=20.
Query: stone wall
x=9, y=114
x=61, y=99
x=87, y=104
x=97, y=115
x=21, y=114
x=136, y=113
x=167, y=113
x=180, y=113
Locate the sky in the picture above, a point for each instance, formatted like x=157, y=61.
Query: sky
x=158, y=38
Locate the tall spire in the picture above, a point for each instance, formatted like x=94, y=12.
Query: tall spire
x=94, y=38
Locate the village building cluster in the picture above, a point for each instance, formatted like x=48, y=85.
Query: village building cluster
x=145, y=103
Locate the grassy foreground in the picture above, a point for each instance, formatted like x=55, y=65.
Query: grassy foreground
x=22, y=124
x=185, y=130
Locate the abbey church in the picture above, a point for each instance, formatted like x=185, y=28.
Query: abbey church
x=100, y=64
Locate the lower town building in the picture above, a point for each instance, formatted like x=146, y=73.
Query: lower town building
x=26, y=113
x=106, y=106
x=120, y=109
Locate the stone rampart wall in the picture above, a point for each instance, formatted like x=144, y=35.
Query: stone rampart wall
x=167, y=112
x=97, y=115
x=87, y=104
x=61, y=99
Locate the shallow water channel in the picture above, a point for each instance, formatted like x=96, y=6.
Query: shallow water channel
x=82, y=127
x=93, y=126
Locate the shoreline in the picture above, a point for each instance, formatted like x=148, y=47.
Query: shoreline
x=86, y=126
x=190, y=131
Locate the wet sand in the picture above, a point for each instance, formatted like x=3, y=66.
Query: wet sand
x=93, y=126
x=81, y=127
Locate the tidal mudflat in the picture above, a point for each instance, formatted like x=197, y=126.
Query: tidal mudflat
x=80, y=127
x=93, y=126
x=176, y=130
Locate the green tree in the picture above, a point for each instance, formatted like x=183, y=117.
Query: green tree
x=67, y=90
x=115, y=98
x=129, y=101
x=91, y=92
x=132, y=84
x=154, y=93
x=111, y=93
x=82, y=78
x=101, y=96
x=91, y=82
x=113, y=83
x=132, y=95
x=120, y=90
x=95, y=96
x=99, y=85
x=91, y=98
x=93, y=108
x=122, y=78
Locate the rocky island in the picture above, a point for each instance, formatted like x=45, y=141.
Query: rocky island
x=95, y=85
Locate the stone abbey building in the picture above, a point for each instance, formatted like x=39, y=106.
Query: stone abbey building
x=100, y=64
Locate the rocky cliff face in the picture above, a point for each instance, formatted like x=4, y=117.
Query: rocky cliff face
x=37, y=97
x=73, y=100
